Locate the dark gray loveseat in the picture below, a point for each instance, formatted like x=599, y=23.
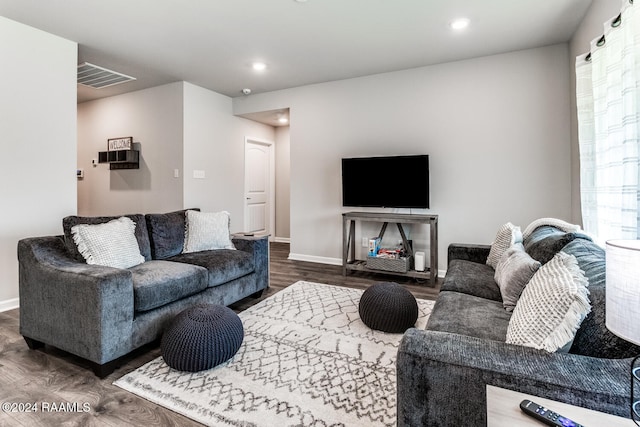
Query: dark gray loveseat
x=101, y=313
x=443, y=371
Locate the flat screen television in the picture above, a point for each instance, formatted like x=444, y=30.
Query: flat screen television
x=386, y=182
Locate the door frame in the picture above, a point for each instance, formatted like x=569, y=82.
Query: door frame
x=272, y=183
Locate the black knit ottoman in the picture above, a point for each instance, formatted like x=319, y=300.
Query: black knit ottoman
x=388, y=307
x=202, y=337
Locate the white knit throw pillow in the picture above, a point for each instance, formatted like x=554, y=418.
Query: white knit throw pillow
x=507, y=235
x=112, y=244
x=207, y=231
x=552, y=306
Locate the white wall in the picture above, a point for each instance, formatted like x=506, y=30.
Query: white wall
x=153, y=117
x=214, y=143
x=283, y=180
x=178, y=126
x=38, y=128
x=496, y=129
x=591, y=27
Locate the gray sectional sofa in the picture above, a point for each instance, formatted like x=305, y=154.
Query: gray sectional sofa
x=102, y=313
x=443, y=371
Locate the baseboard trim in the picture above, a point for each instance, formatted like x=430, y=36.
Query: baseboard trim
x=9, y=304
x=316, y=259
x=282, y=239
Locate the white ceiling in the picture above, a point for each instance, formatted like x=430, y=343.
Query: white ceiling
x=212, y=43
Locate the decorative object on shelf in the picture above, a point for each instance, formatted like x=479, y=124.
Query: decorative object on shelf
x=623, y=303
x=122, y=143
x=419, y=261
x=374, y=246
x=398, y=265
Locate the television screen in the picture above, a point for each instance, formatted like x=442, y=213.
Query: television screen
x=389, y=182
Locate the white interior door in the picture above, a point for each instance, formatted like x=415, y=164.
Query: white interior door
x=259, y=187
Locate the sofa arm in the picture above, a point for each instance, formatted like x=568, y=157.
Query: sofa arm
x=442, y=378
x=259, y=247
x=84, y=309
x=475, y=253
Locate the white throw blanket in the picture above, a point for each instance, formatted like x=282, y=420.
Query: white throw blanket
x=558, y=223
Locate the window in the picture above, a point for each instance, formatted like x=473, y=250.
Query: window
x=608, y=101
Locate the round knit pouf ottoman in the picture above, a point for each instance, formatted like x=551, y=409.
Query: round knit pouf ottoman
x=202, y=337
x=388, y=307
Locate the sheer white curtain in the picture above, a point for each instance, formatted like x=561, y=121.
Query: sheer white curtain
x=608, y=101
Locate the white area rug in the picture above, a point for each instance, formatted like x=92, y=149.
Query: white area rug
x=306, y=360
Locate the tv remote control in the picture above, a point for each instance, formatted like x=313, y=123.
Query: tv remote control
x=545, y=415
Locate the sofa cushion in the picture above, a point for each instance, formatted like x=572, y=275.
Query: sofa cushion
x=223, y=265
x=506, y=236
x=471, y=278
x=593, y=338
x=157, y=283
x=514, y=270
x=111, y=244
x=140, y=232
x=552, y=306
x=469, y=315
x=207, y=231
x=166, y=233
x=470, y=252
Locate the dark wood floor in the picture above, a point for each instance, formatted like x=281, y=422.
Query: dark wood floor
x=53, y=376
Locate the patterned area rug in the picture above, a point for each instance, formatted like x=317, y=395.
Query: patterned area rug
x=306, y=360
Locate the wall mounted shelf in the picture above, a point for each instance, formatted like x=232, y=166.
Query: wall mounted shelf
x=120, y=159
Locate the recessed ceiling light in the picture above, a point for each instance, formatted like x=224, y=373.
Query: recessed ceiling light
x=259, y=66
x=283, y=120
x=459, y=24
x=300, y=1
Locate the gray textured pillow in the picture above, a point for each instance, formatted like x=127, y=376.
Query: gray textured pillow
x=207, y=231
x=513, y=272
x=552, y=306
x=507, y=235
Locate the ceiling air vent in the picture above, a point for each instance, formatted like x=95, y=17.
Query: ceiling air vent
x=99, y=77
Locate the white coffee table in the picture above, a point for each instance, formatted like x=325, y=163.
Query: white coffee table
x=503, y=409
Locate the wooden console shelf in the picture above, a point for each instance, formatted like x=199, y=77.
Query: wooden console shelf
x=349, y=261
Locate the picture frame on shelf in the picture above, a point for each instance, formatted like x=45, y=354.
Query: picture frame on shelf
x=121, y=143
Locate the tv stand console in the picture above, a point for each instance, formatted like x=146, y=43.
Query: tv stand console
x=349, y=261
